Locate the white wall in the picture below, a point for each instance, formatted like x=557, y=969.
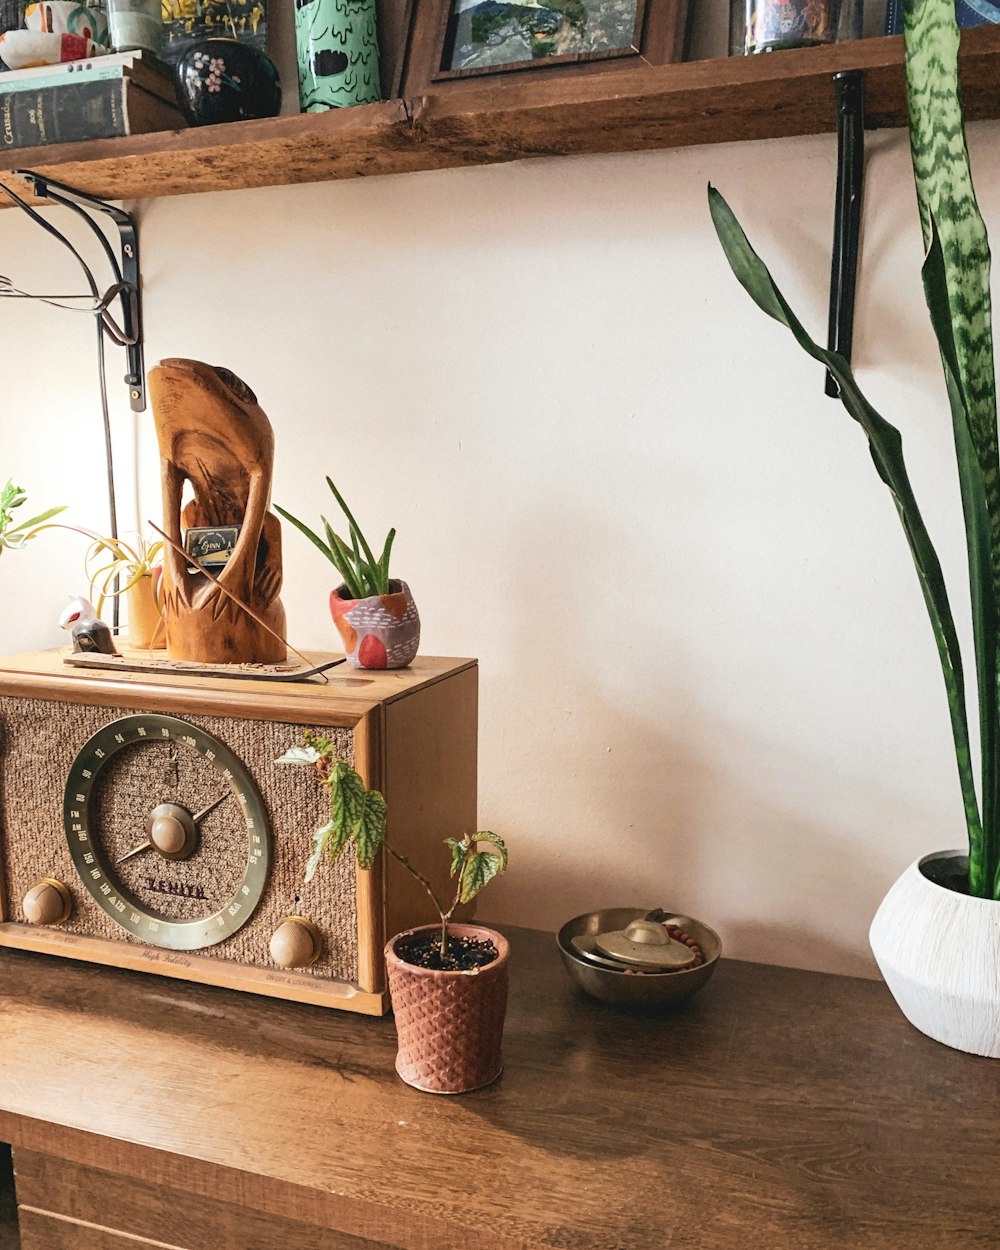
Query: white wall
x=707, y=677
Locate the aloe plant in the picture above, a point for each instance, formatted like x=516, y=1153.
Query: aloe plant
x=363, y=574
x=956, y=279
x=358, y=818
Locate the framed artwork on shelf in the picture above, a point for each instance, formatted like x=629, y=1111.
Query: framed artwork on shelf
x=469, y=42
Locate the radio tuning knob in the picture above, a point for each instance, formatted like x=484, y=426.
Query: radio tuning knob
x=296, y=943
x=48, y=902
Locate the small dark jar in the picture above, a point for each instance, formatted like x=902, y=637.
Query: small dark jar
x=224, y=80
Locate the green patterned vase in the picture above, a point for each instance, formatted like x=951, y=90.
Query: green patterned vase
x=337, y=46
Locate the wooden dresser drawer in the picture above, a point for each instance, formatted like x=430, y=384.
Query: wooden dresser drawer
x=65, y=1206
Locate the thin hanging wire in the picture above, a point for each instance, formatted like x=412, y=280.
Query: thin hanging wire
x=98, y=306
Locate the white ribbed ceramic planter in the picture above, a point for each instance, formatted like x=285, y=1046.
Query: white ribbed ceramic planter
x=939, y=952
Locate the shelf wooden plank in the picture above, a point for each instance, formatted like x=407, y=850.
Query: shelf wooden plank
x=718, y=101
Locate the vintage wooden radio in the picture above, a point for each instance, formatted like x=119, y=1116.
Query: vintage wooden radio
x=145, y=823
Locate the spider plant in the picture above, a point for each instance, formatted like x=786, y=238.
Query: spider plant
x=14, y=537
x=956, y=279
x=118, y=560
x=363, y=575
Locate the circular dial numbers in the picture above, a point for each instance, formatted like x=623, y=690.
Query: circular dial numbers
x=167, y=831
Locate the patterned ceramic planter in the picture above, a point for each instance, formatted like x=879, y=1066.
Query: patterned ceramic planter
x=449, y=1024
x=382, y=631
x=939, y=951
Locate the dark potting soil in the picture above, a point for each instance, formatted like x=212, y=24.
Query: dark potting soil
x=464, y=953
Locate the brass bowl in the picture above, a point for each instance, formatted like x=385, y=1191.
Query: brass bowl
x=626, y=989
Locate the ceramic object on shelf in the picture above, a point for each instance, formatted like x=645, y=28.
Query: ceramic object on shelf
x=381, y=631
x=134, y=25
x=773, y=25
x=449, y=1024
x=621, y=988
x=226, y=80
x=939, y=952
x=146, y=627
x=336, y=42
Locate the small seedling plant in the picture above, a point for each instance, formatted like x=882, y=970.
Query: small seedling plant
x=14, y=537
x=363, y=574
x=358, y=818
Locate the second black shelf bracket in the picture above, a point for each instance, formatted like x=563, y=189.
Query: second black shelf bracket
x=850, y=86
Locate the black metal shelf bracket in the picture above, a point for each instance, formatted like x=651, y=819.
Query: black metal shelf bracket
x=850, y=85
x=128, y=285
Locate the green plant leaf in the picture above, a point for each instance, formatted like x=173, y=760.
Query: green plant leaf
x=41, y=518
x=344, y=562
x=982, y=847
x=370, y=830
x=486, y=835
x=350, y=520
x=304, y=529
x=956, y=276
x=459, y=848
x=383, y=563
x=304, y=754
x=480, y=869
x=347, y=797
x=885, y=445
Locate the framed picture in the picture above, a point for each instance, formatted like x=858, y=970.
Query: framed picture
x=454, y=41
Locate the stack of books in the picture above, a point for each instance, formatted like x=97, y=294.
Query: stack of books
x=122, y=93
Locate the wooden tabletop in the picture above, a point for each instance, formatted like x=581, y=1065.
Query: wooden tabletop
x=779, y=1110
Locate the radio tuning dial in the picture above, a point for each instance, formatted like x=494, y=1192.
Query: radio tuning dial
x=49, y=902
x=296, y=943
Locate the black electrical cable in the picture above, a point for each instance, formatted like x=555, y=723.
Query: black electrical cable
x=106, y=325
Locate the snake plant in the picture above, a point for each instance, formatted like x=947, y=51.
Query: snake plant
x=956, y=279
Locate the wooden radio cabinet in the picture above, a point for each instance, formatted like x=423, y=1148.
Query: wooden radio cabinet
x=90, y=759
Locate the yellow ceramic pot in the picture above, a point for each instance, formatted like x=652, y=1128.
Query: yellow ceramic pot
x=145, y=622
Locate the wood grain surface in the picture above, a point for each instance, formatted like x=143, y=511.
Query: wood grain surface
x=780, y=1109
x=346, y=696
x=649, y=106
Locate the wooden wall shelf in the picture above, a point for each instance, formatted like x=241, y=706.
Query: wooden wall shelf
x=717, y=101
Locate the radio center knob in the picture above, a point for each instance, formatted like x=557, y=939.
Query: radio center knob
x=296, y=943
x=48, y=903
x=171, y=831
x=167, y=834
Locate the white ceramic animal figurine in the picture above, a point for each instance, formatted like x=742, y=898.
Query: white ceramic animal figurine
x=88, y=630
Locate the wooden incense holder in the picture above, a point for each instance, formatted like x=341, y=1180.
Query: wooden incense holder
x=213, y=435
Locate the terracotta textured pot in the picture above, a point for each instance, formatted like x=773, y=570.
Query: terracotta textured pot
x=382, y=631
x=939, y=951
x=449, y=1024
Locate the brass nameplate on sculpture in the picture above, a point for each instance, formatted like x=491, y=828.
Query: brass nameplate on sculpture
x=145, y=823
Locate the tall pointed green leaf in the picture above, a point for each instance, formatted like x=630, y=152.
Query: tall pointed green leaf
x=957, y=288
x=982, y=850
x=885, y=445
x=945, y=192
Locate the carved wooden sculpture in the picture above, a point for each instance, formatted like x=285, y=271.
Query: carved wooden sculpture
x=213, y=435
